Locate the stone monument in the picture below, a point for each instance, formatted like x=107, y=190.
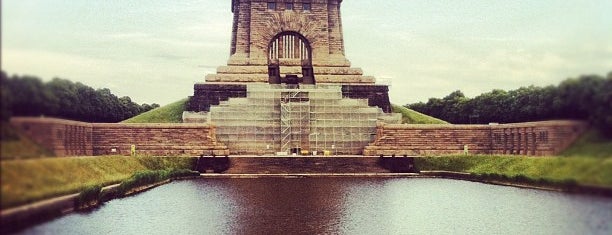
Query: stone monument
x=288, y=87
x=272, y=39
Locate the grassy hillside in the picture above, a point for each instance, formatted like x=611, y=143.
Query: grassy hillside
x=25, y=181
x=591, y=144
x=171, y=113
x=410, y=116
x=580, y=170
x=587, y=162
x=15, y=146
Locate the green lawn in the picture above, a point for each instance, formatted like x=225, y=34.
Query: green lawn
x=25, y=181
x=171, y=113
x=410, y=116
x=583, y=171
x=587, y=162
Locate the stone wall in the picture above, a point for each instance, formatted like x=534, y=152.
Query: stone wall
x=377, y=95
x=531, y=138
x=156, y=139
x=535, y=138
x=255, y=28
x=70, y=138
x=304, y=164
x=208, y=94
x=62, y=137
x=255, y=25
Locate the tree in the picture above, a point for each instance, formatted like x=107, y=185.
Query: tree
x=29, y=96
x=587, y=97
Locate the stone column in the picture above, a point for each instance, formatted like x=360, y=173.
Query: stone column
x=335, y=37
x=235, y=10
x=243, y=34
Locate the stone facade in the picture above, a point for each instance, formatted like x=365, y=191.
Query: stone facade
x=377, y=95
x=531, y=138
x=208, y=94
x=61, y=137
x=70, y=138
x=316, y=23
x=161, y=139
x=291, y=35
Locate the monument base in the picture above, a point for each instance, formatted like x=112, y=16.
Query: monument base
x=207, y=94
x=377, y=95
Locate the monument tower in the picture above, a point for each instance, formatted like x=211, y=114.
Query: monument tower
x=297, y=47
x=290, y=34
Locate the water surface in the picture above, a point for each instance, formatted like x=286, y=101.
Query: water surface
x=340, y=206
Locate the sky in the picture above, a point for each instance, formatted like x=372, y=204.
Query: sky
x=155, y=50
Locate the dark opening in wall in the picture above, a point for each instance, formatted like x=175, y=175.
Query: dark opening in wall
x=271, y=6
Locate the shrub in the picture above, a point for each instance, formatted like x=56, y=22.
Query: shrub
x=88, y=197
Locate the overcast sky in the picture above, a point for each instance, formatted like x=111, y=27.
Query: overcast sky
x=155, y=50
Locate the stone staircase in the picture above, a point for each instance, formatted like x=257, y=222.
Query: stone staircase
x=313, y=118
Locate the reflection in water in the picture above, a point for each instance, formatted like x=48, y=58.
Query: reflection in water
x=340, y=205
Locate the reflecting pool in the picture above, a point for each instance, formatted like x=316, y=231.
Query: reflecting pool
x=340, y=206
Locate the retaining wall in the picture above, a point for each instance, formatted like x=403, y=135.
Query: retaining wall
x=71, y=138
x=529, y=138
x=304, y=165
x=62, y=137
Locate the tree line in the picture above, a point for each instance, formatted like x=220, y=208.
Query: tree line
x=588, y=97
x=30, y=96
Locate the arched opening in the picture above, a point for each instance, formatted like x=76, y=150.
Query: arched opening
x=290, y=49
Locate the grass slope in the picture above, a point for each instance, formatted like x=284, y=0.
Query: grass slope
x=591, y=144
x=410, y=116
x=587, y=162
x=15, y=146
x=171, y=113
x=584, y=171
x=25, y=181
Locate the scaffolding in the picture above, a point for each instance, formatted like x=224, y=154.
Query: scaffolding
x=295, y=121
x=279, y=118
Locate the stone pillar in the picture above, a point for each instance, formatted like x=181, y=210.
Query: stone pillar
x=235, y=10
x=533, y=141
x=243, y=34
x=335, y=37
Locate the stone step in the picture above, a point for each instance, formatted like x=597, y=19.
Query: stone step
x=263, y=78
x=288, y=70
x=304, y=164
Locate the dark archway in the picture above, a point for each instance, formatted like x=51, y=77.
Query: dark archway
x=290, y=49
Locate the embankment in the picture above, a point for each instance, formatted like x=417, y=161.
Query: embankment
x=54, y=186
x=27, y=181
x=564, y=173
